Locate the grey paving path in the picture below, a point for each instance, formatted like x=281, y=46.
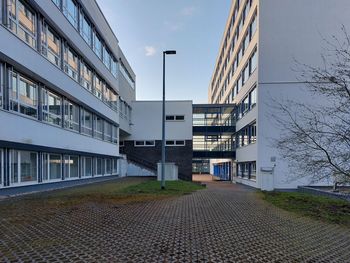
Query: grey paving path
x=224, y=223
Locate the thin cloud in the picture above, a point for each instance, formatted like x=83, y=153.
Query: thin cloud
x=174, y=26
x=187, y=11
x=150, y=51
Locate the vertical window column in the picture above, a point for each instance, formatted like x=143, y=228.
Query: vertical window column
x=22, y=21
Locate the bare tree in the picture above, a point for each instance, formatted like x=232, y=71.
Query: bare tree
x=315, y=138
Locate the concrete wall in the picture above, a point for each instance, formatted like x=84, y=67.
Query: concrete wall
x=180, y=155
x=290, y=30
x=21, y=129
x=147, y=120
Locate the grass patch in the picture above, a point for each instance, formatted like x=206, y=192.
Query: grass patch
x=126, y=190
x=171, y=188
x=316, y=207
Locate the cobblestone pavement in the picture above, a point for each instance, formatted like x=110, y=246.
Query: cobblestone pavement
x=223, y=223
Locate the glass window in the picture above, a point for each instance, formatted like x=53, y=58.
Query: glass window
x=85, y=28
x=108, y=131
x=246, y=41
x=253, y=97
x=108, y=166
x=253, y=62
x=253, y=26
x=98, y=87
x=86, y=167
x=57, y=2
x=106, y=57
x=245, y=105
x=246, y=170
x=51, y=107
x=114, y=134
x=245, y=73
x=180, y=117
x=107, y=94
x=23, y=95
x=114, y=100
x=252, y=171
x=97, y=46
x=71, y=116
x=52, y=167
x=245, y=136
x=252, y=133
x=50, y=45
x=86, y=122
x=22, y=21
x=180, y=143
x=85, y=76
x=115, y=166
x=98, y=133
x=99, y=168
x=70, y=10
x=24, y=167
x=169, y=143
x=126, y=75
x=71, y=63
x=71, y=167
x=239, y=83
x=114, y=68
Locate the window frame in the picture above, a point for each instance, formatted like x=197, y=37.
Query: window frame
x=175, y=143
x=18, y=25
x=97, y=133
x=65, y=172
x=86, y=130
x=85, y=71
x=115, y=133
x=85, y=22
x=84, y=166
x=72, y=123
x=45, y=47
x=45, y=93
x=107, y=135
x=17, y=102
x=73, y=20
x=67, y=67
x=48, y=168
x=19, y=168
x=96, y=167
x=144, y=143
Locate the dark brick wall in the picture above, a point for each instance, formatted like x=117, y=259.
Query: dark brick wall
x=180, y=155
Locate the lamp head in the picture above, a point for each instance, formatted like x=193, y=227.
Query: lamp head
x=170, y=52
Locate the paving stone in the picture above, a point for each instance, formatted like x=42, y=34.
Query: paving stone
x=223, y=223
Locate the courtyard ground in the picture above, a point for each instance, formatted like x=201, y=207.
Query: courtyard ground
x=222, y=223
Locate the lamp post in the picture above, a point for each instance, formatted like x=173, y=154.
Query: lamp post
x=167, y=52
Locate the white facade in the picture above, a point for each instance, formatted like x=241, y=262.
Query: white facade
x=147, y=120
x=285, y=31
x=65, y=94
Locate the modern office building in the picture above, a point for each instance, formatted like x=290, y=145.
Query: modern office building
x=65, y=94
x=144, y=145
x=256, y=66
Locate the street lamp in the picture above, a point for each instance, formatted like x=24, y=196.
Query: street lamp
x=167, y=52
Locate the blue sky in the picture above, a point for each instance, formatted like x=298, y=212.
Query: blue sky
x=193, y=28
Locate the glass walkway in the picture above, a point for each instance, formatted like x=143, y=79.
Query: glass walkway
x=213, y=137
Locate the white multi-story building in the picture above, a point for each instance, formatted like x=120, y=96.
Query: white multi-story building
x=256, y=66
x=65, y=94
